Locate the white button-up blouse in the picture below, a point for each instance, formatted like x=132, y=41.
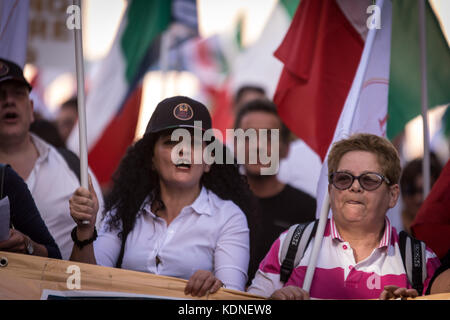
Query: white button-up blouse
x=210, y=234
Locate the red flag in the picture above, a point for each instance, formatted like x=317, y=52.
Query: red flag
x=115, y=139
x=320, y=52
x=432, y=222
x=222, y=115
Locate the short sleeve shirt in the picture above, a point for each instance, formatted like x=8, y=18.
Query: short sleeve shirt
x=337, y=275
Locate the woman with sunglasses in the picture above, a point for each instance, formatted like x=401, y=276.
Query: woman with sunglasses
x=359, y=256
x=167, y=213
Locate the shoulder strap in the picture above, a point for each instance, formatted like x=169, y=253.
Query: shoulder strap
x=73, y=161
x=414, y=260
x=2, y=179
x=294, y=246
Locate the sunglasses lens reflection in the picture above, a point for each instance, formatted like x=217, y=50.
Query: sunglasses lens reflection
x=368, y=181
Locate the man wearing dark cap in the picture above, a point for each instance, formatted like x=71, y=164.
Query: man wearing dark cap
x=45, y=171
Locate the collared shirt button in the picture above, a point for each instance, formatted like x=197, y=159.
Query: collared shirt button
x=344, y=247
x=350, y=267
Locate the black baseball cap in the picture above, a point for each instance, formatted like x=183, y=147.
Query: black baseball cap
x=178, y=112
x=11, y=71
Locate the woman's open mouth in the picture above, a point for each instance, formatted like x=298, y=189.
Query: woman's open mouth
x=183, y=164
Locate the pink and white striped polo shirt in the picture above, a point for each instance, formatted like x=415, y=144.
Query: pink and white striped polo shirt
x=337, y=275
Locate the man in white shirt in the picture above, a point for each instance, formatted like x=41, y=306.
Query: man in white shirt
x=45, y=171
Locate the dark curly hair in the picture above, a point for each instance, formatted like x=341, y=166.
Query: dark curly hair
x=135, y=179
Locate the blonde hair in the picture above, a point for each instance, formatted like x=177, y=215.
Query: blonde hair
x=384, y=150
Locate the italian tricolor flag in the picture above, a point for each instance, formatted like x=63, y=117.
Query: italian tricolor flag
x=404, y=84
x=223, y=65
x=114, y=99
x=321, y=53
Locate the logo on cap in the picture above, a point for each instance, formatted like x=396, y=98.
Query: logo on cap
x=183, y=111
x=3, y=69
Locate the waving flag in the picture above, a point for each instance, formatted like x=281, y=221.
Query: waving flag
x=222, y=65
x=405, y=75
x=365, y=109
x=14, y=30
x=322, y=58
x=320, y=52
x=205, y=57
x=112, y=107
x=247, y=66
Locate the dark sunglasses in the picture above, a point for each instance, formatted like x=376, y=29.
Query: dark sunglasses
x=368, y=181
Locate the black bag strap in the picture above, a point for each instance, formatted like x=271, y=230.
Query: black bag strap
x=73, y=161
x=2, y=179
x=122, y=250
x=295, y=252
x=123, y=237
x=413, y=257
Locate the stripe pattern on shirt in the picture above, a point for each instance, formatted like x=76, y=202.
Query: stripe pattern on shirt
x=337, y=275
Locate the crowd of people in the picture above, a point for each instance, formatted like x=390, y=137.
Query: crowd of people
x=218, y=224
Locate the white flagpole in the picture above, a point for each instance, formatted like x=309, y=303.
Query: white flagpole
x=81, y=104
x=317, y=243
x=164, y=61
x=349, y=107
x=423, y=69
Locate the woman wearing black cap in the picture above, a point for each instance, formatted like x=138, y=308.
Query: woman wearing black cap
x=179, y=218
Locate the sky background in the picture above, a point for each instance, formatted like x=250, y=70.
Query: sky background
x=215, y=16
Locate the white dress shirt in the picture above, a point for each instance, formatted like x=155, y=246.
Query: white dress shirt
x=210, y=234
x=52, y=183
